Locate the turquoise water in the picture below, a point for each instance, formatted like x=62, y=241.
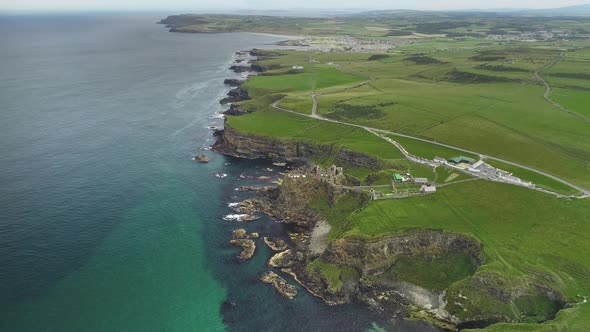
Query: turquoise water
x=106, y=223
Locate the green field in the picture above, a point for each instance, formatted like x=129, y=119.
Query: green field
x=311, y=79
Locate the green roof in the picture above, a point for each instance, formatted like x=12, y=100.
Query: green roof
x=462, y=159
x=397, y=177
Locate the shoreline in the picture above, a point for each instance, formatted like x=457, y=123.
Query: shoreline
x=306, y=230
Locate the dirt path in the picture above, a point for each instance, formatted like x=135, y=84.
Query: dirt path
x=314, y=107
x=549, y=89
x=319, y=238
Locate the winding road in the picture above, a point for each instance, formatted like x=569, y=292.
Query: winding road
x=314, y=115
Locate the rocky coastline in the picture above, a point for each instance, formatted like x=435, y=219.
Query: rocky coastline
x=363, y=265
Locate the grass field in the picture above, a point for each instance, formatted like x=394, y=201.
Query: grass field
x=311, y=79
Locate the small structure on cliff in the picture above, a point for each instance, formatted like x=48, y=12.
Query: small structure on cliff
x=333, y=175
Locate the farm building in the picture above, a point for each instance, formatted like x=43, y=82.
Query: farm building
x=462, y=160
x=421, y=180
x=428, y=189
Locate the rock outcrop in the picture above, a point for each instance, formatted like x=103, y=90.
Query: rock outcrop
x=233, y=82
x=296, y=152
x=256, y=68
x=275, y=244
x=242, y=234
x=203, y=159
x=248, y=247
x=236, y=110
x=350, y=159
x=281, y=285
x=373, y=257
x=235, y=95
x=240, y=69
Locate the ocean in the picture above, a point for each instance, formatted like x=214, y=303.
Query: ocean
x=106, y=223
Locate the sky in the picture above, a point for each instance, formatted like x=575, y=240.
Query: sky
x=225, y=5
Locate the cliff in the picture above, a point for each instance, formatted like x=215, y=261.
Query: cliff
x=250, y=146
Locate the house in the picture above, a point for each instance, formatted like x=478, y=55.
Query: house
x=398, y=177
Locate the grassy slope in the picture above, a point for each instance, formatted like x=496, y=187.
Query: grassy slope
x=521, y=230
x=271, y=122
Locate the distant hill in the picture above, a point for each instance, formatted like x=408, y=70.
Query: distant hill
x=579, y=10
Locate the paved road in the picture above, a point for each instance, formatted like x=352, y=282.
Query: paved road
x=314, y=115
x=549, y=89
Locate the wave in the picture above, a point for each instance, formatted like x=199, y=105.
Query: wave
x=237, y=217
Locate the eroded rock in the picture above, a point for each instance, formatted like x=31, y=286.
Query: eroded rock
x=275, y=244
x=285, y=289
x=203, y=159
x=248, y=247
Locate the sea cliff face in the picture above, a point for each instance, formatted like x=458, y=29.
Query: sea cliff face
x=250, y=146
x=234, y=143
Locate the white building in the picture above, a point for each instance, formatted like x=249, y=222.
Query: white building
x=428, y=189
